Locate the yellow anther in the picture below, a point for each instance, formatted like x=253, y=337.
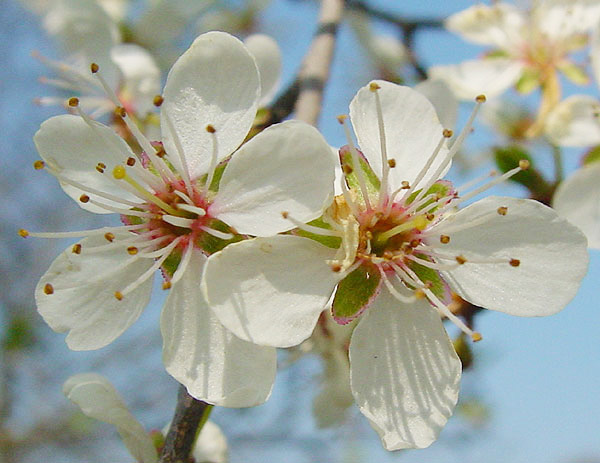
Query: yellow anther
x=284, y=214
x=118, y=295
x=392, y=163
x=336, y=268
x=419, y=294
x=39, y=165
x=100, y=169
x=447, y=133
x=210, y=128
x=48, y=289
x=131, y=162
x=414, y=243
x=461, y=259
x=524, y=164
x=76, y=248
x=476, y=337
x=84, y=198
x=158, y=100
x=373, y=86
x=94, y=68
x=514, y=262
x=132, y=250
x=119, y=172
x=166, y=285
x=23, y=233
x=480, y=99
x=161, y=153
x=502, y=210
x=120, y=111
x=444, y=239
x=405, y=185
x=73, y=102
x=342, y=118
x=430, y=216
x=109, y=237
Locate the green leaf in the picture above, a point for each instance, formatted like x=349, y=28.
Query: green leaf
x=329, y=241
x=355, y=293
x=432, y=277
x=371, y=180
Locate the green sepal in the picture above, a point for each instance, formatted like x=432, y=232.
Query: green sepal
x=211, y=244
x=497, y=54
x=216, y=181
x=528, y=82
x=171, y=263
x=371, y=180
x=355, y=293
x=432, y=277
x=591, y=156
x=574, y=73
x=507, y=158
x=441, y=187
x=463, y=349
x=329, y=241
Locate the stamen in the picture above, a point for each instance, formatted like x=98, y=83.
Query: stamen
x=385, y=167
x=419, y=222
x=118, y=210
x=393, y=291
x=360, y=175
x=76, y=249
x=39, y=164
x=185, y=173
x=185, y=260
x=475, y=181
x=48, y=289
x=213, y=160
x=82, y=233
x=185, y=197
x=158, y=100
x=310, y=228
x=193, y=209
x=431, y=265
x=216, y=233
x=348, y=198
x=178, y=221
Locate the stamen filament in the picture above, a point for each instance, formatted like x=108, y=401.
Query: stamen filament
x=216, y=233
x=185, y=173
x=118, y=210
x=310, y=228
x=419, y=222
x=84, y=233
x=192, y=208
x=178, y=221
x=185, y=260
x=348, y=198
x=394, y=292
x=385, y=168
x=213, y=159
x=356, y=163
x=185, y=197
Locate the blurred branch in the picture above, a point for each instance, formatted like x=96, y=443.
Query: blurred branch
x=317, y=62
x=182, y=433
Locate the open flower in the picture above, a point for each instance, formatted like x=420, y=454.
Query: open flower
x=394, y=247
x=180, y=201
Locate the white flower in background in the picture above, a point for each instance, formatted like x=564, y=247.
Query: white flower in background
x=116, y=9
x=179, y=203
x=394, y=246
x=88, y=34
x=267, y=54
x=98, y=399
x=528, y=47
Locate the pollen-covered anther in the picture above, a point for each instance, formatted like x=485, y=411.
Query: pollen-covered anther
x=430, y=216
x=419, y=293
x=447, y=133
x=336, y=268
x=84, y=198
x=444, y=239
x=461, y=259
x=158, y=100
x=405, y=185
x=131, y=162
x=94, y=68
x=73, y=102
x=374, y=87
x=480, y=99
x=132, y=250
x=39, y=164
x=524, y=164
x=161, y=153
x=476, y=337
x=23, y=233
x=109, y=237
x=342, y=118
x=118, y=295
x=514, y=262
x=48, y=289
x=392, y=163
x=285, y=214
x=120, y=111
x=502, y=210
x=166, y=285
x=414, y=243
x=369, y=235
x=76, y=249
x=210, y=128
x=100, y=167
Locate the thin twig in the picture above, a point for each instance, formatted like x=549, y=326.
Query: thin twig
x=183, y=429
x=317, y=62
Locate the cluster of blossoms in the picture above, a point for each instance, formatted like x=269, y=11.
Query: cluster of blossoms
x=255, y=239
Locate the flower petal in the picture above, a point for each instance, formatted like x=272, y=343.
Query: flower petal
x=574, y=122
x=270, y=291
x=71, y=146
x=404, y=372
x=412, y=130
x=98, y=399
x=560, y=19
x=214, y=82
x=551, y=256
x=500, y=25
x=267, y=54
x=213, y=364
x=442, y=99
x=288, y=167
x=211, y=445
x=83, y=288
x=577, y=199
x=468, y=79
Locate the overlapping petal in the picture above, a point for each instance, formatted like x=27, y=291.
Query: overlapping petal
x=404, y=372
x=270, y=291
x=267, y=54
x=559, y=19
x=574, y=122
x=288, y=167
x=74, y=147
x=577, y=199
x=442, y=99
x=212, y=363
x=214, y=82
x=551, y=253
x=412, y=130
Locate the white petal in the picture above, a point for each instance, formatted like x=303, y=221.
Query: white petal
x=83, y=302
x=577, y=199
x=500, y=25
x=288, y=167
x=404, y=372
x=575, y=122
x=595, y=53
x=141, y=76
x=552, y=253
x=213, y=364
x=443, y=100
x=214, y=82
x=211, y=445
x=270, y=291
x=559, y=19
x=412, y=129
x=468, y=79
x=73, y=147
x=98, y=399
x=267, y=54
